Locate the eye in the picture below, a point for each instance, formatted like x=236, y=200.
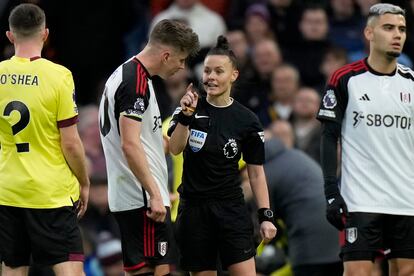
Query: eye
x=388, y=27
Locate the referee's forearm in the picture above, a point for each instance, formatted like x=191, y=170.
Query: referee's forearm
x=258, y=185
x=178, y=139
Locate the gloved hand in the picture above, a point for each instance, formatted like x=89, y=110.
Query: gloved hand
x=336, y=211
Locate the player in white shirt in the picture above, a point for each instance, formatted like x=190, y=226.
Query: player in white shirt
x=369, y=108
x=131, y=135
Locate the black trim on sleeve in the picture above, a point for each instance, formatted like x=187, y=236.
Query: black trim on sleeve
x=331, y=132
x=133, y=118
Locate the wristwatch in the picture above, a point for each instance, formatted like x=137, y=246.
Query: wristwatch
x=265, y=214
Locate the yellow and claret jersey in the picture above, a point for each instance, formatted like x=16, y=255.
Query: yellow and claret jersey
x=36, y=99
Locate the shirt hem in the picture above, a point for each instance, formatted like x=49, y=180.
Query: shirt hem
x=379, y=210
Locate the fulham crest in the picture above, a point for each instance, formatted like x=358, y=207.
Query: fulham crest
x=351, y=234
x=163, y=248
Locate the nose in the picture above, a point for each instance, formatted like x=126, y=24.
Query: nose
x=211, y=76
x=398, y=33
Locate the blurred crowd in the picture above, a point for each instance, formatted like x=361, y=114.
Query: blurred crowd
x=286, y=49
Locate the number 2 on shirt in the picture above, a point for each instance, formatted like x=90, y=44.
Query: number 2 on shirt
x=21, y=124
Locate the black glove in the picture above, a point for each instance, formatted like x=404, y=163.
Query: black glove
x=336, y=210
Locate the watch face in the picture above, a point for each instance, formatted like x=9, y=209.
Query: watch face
x=268, y=213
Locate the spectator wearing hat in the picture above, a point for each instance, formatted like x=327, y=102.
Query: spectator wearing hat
x=257, y=24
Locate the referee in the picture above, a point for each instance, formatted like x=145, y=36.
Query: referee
x=213, y=132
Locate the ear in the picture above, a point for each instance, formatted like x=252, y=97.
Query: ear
x=234, y=75
x=165, y=55
x=45, y=34
x=369, y=33
x=10, y=36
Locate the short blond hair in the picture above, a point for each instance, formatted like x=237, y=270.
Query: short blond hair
x=381, y=9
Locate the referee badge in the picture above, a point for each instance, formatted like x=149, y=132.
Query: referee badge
x=197, y=139
x=351, y=234
x=162, y=248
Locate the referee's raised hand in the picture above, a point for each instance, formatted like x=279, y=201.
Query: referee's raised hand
x=189, y=101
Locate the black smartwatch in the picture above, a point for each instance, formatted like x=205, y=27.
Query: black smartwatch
x=265, y=214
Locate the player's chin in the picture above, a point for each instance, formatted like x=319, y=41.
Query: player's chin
x=393, y=54
x=213, y=91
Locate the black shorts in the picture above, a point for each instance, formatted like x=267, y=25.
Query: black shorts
x=367, y=234
x=49, y=236
x=144, y=241
x=208, y=231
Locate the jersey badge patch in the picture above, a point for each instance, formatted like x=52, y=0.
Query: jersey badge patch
x=230, y=149
x=261, y=135
x=197, y=139
x=162, y=248
x=405, y=97
x=329, y=100
x=139, y=106
x=351, y=234
x=75, y=108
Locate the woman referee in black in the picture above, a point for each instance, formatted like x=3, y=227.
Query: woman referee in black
x=213, y=132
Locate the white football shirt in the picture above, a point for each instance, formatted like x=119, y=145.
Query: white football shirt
x=377, y=137
x=129, y=92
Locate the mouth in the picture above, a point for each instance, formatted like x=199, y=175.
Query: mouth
x=210, y=85
x=396, y=45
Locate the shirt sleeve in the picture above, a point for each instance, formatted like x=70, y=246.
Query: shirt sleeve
x=174, y=121
x=133, y=98
x=331, y=133
x=67, y=110
x=253, y=144
x=334, y=101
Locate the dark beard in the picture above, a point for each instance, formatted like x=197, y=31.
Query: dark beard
x=393, y=54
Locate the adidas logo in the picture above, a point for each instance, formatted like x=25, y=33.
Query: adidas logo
x=364, y=98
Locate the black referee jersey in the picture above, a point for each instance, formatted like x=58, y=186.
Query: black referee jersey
x=219, y=136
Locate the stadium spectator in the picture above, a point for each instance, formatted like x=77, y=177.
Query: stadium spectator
x=346, y=25
x=206, y=23
x=333, y=59
x=285, y=82
x=308, y=53
x=306, y=127
x=284, y=16
x=109, y=254
x=296, y=189
x=266, y=57
x=257, y=24
x=88, y=127
x=240, y=47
